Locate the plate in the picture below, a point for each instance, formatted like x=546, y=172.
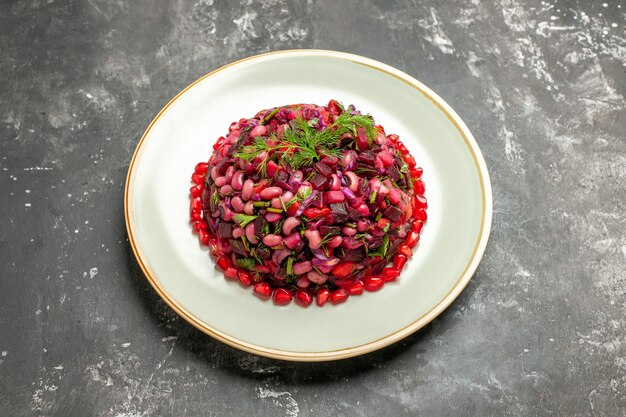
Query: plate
x=184, y=275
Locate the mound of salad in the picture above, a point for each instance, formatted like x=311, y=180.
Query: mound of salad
x=309, y=203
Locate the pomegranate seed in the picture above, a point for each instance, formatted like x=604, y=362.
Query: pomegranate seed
x=356, y=288
x=197, y=178
x=343, y=269
x=405, y=250
x=244, y=278
x=374, y=283
x=196, y=190
x=195, y=204
x=333, y=107
x=419, y=187
x=200, y=225
x=201, y=168
x=219, y=142
x=420, y=215
x=262, y=290
x=223, y=263
x=196, y=216
x=322, y=296
x=412, y=239
x=399, y=261
x=303, y=297
x=390, y=274
x=417, y=226
x=282, y=296
x=416, y=172
x=409, y=160
x=339, y=296
x=400, y=146
x=203, y=235
x=393, y=138
x=421, y=202
x=230, y=273
x=213, y=247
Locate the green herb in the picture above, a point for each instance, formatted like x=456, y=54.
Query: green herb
x=299, y=197
x=385, y=244
x=274, y=210
x=260, y=204
x=279, y=226
x=248, y=153
x=290, y=266
x=327, y=238
x=373, y=197
x=282, y=203
x=256, y=256
x=266, y=228
x=215, y=198
x=246, y=263
x=269, y=116
x=379, y=216
x=386, y=228
x=381, y=250
x=245, y=243
x=369, y=172
x=243, y=219
x=302, y=144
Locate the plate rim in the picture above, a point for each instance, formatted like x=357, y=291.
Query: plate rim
x=344, y=353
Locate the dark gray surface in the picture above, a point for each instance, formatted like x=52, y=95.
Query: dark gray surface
x=539, y=331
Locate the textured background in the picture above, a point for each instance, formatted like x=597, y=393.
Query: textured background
x=539, y=331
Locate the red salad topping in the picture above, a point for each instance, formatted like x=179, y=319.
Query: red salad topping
x=309, y=203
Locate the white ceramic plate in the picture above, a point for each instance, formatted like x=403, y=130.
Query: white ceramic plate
x=182, y=134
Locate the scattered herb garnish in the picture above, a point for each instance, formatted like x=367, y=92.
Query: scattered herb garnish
x=246, y=263
x=245, y=243
x=299, y=197
x=302, y=144
x=381, y=250
x=269, y=116
x=215, y=198
x=243, y=219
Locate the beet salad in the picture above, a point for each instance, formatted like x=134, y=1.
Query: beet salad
x=309, y=203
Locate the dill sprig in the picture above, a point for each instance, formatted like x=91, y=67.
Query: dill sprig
x=302, y=144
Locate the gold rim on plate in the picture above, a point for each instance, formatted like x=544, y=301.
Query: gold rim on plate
x=470, y=268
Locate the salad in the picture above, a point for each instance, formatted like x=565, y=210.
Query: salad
x=309, y=203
